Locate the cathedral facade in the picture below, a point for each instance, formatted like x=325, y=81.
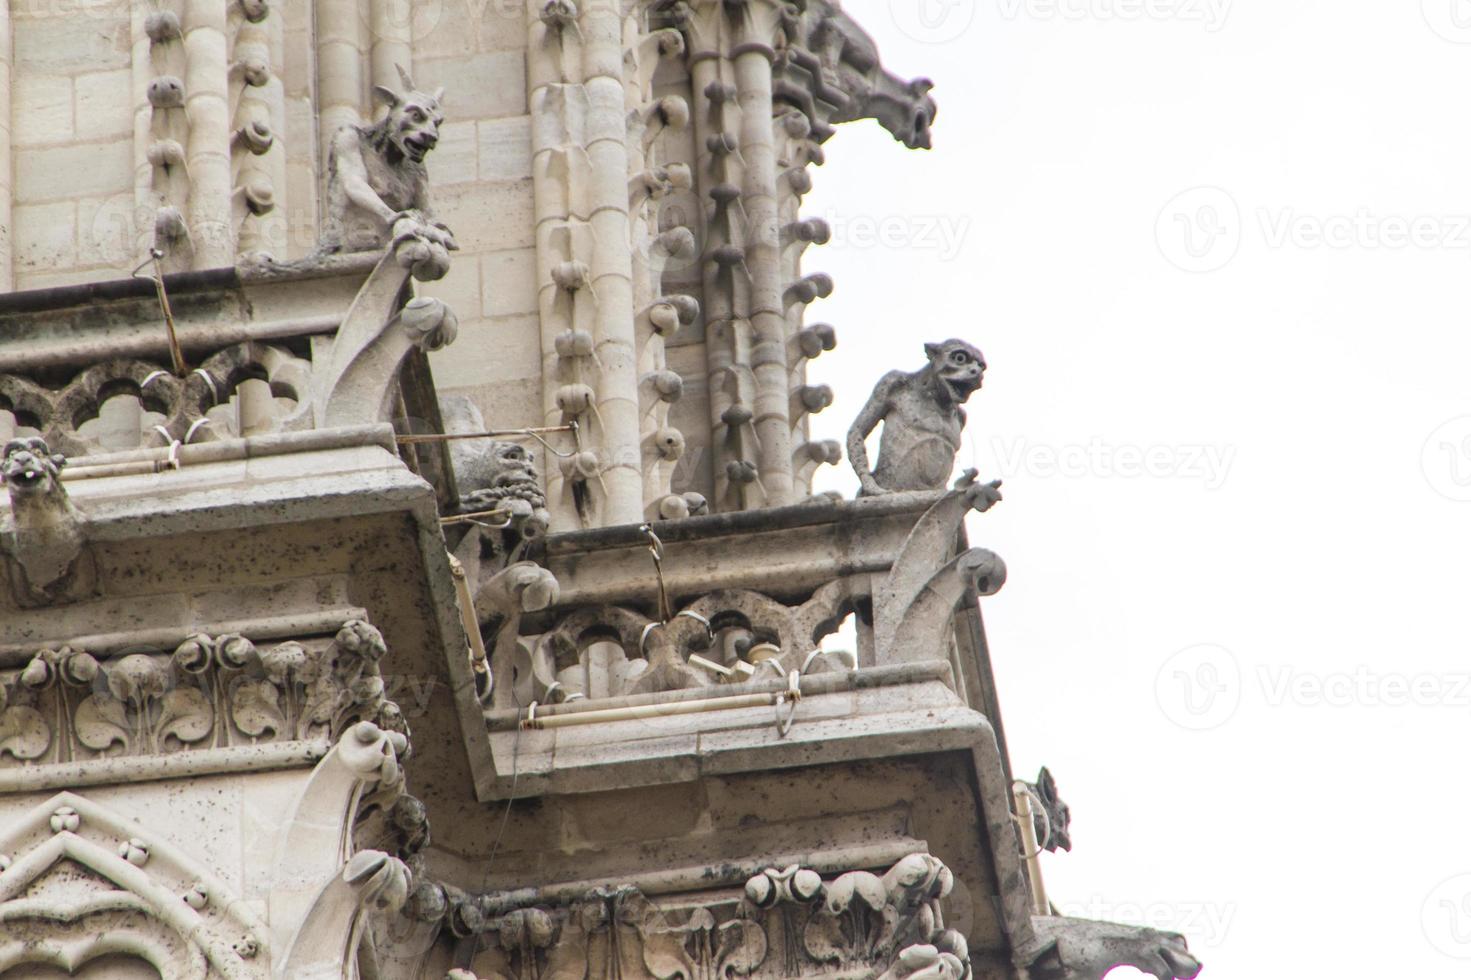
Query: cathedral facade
x=410, y=564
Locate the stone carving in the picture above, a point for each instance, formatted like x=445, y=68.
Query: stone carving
x=748, y=626
x=211, y=692
x=1078, y=949
x=127, y=898
x=786, y=922
x=831, y=71
x=923, y=420
x=45, y=531
x=1053, y=816
x=377, y=186
x=171, y=407
x=503, y=477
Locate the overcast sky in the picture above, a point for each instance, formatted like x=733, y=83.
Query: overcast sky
x=1217, y=254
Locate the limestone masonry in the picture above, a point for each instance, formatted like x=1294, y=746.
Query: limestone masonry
x=409, y=568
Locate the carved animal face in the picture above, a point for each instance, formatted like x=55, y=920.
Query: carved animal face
x=414, y=118
x=512, y=466
x=957, y=369
x=29, y=467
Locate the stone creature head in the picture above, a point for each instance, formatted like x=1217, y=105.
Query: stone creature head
x=414, y=117
x=512, y=465
x=1052, y=824
x=29, y=468
x=956, y=369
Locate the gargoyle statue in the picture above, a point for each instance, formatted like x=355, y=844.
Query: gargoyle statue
x=1051, y=823
x=377, y=185
x=1078, y=949
x=922, y=420
x=45, y=535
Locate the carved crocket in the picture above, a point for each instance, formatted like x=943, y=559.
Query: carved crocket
x=376, y=174
x=923, y=421
x=46, y=529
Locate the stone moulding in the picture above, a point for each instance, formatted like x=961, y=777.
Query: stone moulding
x=785, y=922
x=222, y=697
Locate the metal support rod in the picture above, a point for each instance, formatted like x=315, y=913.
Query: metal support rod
x=1031, y=850
x=176, y=353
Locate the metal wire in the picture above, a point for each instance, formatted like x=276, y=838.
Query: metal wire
x=176, y=352
x=656, y=552
x=409, y=440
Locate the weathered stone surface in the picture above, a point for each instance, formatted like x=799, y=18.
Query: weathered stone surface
x=291, y=685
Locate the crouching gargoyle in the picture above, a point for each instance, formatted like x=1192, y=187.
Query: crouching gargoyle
x=377, y=185
x=43, y=537
x=923, y=420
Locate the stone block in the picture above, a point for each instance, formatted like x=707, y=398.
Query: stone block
x=103, y=104
x=505, y=148
x=482, y=86
x=42, y=106
x=107, y=232
x=491, y=349
x=66, y=172
x=87, y=38
x=45, y=237
x=488, y=217
x=504, y=404
x=456, y=159
x=508, y=282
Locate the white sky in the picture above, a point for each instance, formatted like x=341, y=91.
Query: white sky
x=1312, y=831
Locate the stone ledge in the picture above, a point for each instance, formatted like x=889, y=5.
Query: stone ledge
x=848, y=721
